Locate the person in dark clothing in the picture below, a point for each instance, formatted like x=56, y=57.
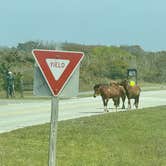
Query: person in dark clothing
x=10, y=84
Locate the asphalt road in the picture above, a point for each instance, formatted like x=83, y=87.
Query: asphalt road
x=20, y=113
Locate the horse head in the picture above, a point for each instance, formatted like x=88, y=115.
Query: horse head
x=124, y=83
x=96, y=89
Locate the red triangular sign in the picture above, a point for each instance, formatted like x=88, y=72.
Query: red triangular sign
x=57, y=67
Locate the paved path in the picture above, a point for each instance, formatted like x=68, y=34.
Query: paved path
x=20, y=113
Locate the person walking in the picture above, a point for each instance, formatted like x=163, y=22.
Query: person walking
x=10, y=84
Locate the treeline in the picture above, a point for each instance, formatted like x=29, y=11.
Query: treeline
x=101, y=63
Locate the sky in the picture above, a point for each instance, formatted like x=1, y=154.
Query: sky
x=105, y=22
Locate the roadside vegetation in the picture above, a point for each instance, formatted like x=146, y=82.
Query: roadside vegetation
x=101, y=63
x=130, y=138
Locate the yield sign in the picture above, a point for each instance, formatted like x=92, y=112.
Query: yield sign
x=57, y=67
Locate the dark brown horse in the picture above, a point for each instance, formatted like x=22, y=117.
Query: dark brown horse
x=132, y=92
x=122, y=91
x=106, y=91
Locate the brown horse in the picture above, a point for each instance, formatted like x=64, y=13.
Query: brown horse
x=132, y=92
x=106, y=91
x=122, y=91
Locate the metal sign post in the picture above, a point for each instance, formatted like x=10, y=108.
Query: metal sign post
x=53, y=131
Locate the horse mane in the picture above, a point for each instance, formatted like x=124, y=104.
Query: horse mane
x=99, y=85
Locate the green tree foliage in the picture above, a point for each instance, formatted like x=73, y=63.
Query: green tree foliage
x=110, y=62
x=101, y=63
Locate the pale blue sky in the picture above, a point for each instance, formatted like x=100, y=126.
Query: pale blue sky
x=107, y=22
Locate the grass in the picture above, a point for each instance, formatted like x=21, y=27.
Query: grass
x=135, y=138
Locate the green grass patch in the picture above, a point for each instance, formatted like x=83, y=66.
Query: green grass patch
x=131, y=138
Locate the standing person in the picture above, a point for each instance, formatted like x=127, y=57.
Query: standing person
x=10, y=84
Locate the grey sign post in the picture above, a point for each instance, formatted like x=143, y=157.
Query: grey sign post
x=41, y=87
x=53, y=131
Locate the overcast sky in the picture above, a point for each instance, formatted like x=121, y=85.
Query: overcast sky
x=106, y=22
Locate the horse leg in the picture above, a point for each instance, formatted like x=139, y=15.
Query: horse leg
x=116, y=107
x=136, y=102
x=115, y=103
x=114, y=100
x=123, y=106
x=118, y=102
x=105, y=104
x=123, y=100
x=129, y=104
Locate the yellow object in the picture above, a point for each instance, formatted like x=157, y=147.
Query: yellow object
x=132, y=83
